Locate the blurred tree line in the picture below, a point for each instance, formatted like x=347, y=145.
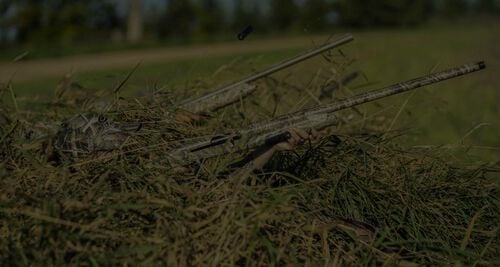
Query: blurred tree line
x=58, y=20
x=70, y=21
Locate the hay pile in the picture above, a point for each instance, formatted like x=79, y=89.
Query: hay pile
x=364, y=200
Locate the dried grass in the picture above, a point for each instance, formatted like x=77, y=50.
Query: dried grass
x=362, y=201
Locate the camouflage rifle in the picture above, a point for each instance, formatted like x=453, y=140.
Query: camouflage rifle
x=231, y=93
x=83, y=135
x=319, y=117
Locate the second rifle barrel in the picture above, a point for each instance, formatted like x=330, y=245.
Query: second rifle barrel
x=400, y=87
x=277, y=67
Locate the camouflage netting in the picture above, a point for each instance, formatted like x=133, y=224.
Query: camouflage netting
x=355, y=198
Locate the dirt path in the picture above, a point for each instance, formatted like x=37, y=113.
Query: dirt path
x=26, y=71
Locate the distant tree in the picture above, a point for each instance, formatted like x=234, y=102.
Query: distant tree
x=5, y=20
x=135, y=23
x=245, y=15
x=61, y=20
x=5, y=5
x=454, y=8
x=105, y=16
x=27, y=18
x=241, y=16
x=210, y=16
x=313, y=15
x=364, y=13
x=487, y=6
x=178, y=20
x=284, y=14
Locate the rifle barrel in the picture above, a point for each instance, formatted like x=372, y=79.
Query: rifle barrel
x=400, y=88
x=272, y=69
x=287, y=63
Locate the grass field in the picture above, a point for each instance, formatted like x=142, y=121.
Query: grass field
x=462, y=113
x=363, y=201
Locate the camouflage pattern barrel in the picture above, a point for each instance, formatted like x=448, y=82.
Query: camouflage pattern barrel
x=402, y=87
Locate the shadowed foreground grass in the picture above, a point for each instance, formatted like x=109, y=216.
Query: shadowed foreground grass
x=363, y=201
x=368, y=203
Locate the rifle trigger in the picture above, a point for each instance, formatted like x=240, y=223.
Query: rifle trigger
x=282, y=137
x=216, y=138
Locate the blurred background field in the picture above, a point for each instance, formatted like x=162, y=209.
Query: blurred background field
x=180, y=43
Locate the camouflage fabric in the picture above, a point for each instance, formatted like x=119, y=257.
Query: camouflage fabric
x=85, y=134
